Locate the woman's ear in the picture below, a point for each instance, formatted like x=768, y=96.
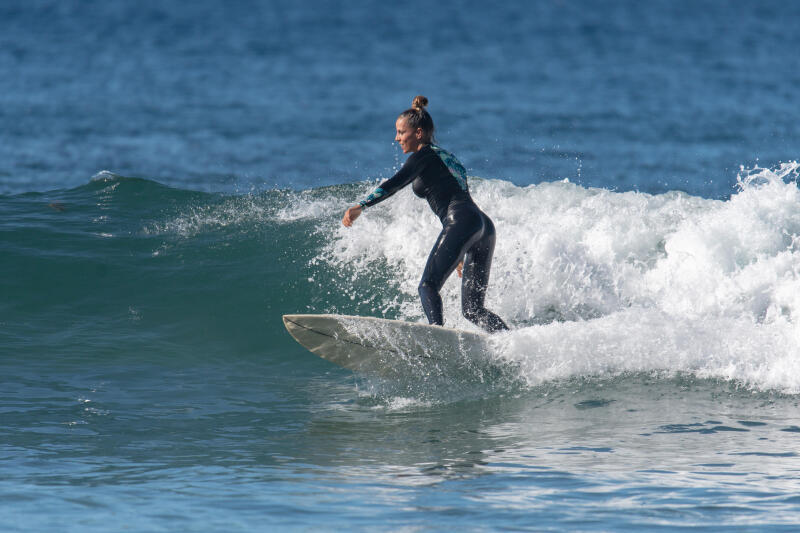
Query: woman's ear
x=419, y=134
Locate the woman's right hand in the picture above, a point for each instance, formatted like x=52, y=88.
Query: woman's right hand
x=351, y=215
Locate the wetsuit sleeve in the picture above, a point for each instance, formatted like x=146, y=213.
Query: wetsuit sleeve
x=403, y=177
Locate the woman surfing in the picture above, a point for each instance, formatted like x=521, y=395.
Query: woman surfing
x=467, y=235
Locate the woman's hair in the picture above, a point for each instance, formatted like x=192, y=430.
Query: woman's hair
x=417, y=117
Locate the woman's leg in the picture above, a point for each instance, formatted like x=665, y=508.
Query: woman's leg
x=477, y=264
x=441, y=262
x=458, y=234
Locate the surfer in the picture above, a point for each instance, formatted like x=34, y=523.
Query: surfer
x=468, y=236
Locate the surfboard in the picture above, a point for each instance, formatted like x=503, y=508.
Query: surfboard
x=391, y=348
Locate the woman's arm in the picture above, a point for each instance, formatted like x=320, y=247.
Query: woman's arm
x=404, y=176
x=351, y=215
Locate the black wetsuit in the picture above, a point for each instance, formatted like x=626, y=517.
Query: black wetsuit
x=467, y=233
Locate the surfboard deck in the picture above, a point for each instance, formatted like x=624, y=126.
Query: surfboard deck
x=390, y=348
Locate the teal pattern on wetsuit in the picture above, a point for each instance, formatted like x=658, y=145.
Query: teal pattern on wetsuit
x=453, y=165
x=373, y=197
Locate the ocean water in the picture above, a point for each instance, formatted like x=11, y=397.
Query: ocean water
x=172, y=179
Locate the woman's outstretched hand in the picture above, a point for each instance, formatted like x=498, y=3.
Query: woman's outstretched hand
x=351, y=215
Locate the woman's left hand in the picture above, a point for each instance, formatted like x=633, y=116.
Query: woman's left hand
x=351, y=215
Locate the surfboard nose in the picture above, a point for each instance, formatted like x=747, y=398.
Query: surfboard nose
x=290, y=322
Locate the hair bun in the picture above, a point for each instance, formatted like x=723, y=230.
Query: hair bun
x=419, y=102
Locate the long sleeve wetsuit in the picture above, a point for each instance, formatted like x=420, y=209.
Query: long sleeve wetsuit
x=467, y=233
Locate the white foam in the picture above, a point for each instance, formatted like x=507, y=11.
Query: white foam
x=401, y=403
x=601, y=282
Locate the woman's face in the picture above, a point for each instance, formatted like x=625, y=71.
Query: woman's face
x=408, y=139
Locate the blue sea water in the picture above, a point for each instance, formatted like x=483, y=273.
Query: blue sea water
x=172, y=177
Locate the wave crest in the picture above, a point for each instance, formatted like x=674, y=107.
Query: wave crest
x=597, y=281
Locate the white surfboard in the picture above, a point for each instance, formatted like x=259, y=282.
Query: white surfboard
x=391, y=348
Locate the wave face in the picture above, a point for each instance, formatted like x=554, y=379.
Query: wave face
x=596, y=283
